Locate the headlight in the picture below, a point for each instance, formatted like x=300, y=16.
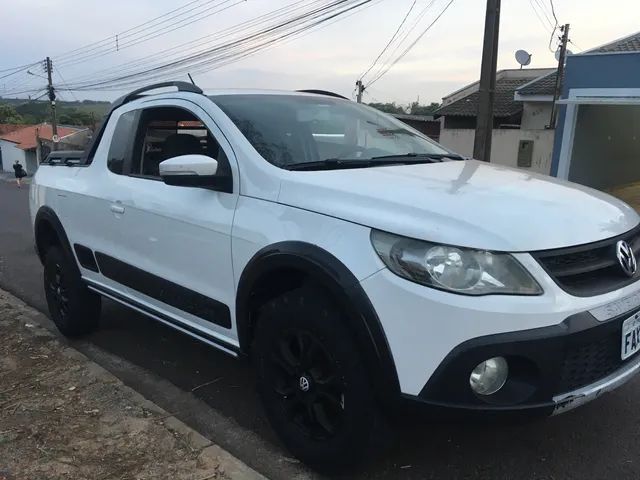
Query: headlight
x=455, y=269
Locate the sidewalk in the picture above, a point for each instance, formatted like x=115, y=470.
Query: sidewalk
x=65, y=417
x=10, y=177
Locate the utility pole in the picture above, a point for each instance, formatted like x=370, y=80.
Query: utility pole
x=52, y=100
x=560, y=73
x=360, y=88
x=484, y=121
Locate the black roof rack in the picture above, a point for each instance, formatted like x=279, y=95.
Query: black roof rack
x=181, y=86
x=323, y=92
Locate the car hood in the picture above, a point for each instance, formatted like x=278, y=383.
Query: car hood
x=464, y=203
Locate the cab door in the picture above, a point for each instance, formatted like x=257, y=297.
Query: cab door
x=175, y=257
x=88, y=205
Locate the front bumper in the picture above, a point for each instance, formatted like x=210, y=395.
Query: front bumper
x=566, y=351
x=568, y=401
x=551, y=370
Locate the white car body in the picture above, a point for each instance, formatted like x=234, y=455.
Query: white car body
x=203, y=240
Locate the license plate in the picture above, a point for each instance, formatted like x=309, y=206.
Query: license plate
x=630, y=336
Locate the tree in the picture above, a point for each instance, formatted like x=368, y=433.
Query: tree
x=417, y=109
x=387, y=107
x=72, y=116
x=8, y=114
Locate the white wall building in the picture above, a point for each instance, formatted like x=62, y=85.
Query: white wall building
x=25, y=145
x=520, y=134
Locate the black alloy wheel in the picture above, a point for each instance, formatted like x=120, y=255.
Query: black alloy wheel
x=72, y=306
x=57, y=291
x=309, y=384
x=314, y=387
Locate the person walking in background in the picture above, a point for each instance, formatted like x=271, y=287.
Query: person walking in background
x=19, y=172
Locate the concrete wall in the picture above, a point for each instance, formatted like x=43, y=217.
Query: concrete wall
x=606, y=149
x=31, y=161
x=535, y=115
x=504, y=146
x=11, y=153
x=595, y=70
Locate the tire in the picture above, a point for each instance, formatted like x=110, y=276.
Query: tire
x=312, y=382
x=73, y=307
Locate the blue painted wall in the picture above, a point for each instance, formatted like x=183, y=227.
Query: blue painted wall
x=612, y=70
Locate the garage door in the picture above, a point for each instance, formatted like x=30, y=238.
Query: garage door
x=606, y=150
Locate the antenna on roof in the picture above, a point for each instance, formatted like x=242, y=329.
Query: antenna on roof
x=523, y=58
x=191, y=78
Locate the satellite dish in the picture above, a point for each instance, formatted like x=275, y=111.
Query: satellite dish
x=567, y=53
x=523, y=58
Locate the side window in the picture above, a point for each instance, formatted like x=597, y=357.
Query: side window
x=120, y=150
x=167, y=132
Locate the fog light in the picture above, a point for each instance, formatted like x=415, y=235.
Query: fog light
x=489, y=376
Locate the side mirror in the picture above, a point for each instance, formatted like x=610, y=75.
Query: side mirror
x=190, y=171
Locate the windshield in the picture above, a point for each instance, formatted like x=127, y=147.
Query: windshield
x=297, y=129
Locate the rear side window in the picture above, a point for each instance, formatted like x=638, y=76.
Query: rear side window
x=121, y=149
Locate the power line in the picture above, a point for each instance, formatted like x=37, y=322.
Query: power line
x=66, y=57
x=232, y=50
x=553, y=11
x=171, y=53
x=543, y=8
x=408, y=49
x=31, y=100
x=197, y=55
x=551, y=39
x=405, y=34
x=22, y=79
x=575, y=45
x=535, y=10
x=30, y=91
x=234, y=57
x=19, y=68
x=555, y=26
x=110, y=40
x=15, y=71
x=59, y=74
x=393, y=37
x=20, y=83
x=153, y=34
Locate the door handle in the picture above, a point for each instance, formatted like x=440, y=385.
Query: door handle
x=117, y=208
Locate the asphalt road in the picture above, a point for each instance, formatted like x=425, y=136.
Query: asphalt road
x=215, y=395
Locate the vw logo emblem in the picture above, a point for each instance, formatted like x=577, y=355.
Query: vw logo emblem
x=626, y=258
x=304, y=384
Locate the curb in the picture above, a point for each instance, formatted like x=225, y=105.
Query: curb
x=226, y=465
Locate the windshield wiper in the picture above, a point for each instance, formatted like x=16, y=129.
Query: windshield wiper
x=337, y=163
x=422, y=156
x=403, y=159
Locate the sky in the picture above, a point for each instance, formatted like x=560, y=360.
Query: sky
x=330, y=58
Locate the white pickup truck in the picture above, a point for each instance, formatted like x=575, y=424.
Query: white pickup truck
x=361, y=266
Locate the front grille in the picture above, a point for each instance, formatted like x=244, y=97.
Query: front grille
x=587, y=363
x=590, y=269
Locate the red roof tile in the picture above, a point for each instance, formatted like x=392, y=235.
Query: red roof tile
x=26, y=137
x=9, y=127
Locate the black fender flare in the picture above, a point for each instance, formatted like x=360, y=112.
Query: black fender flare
x=332, y=274
x=46, y=216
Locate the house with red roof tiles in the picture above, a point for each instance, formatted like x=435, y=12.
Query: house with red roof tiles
x=30, y=144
